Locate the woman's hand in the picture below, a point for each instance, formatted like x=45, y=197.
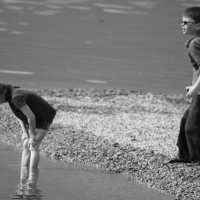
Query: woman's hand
x=32, y=143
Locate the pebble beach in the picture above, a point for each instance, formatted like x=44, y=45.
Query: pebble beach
x=120, y=131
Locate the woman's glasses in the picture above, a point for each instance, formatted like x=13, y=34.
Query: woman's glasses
x=186, y=22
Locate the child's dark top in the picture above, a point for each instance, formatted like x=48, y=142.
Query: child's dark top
x=43, y=111
x=193, y=46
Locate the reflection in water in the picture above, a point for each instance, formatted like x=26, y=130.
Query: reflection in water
x=27, y=189
x=28, y=194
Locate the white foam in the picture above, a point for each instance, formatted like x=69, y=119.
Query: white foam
x=97, y=81
x=3, y=29
x=144, y=4
x=117, y=11
x=112, y=6
x=54, y=6
x=46, y=12
x=16, y=72
x=15, y=8
x=16, y=32
x=11, y=1
x=66, y=1
x=23, y=23
x=58, y=1
x=79, y=7
x=32, y=2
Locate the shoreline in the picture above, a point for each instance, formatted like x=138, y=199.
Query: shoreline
x=121, y=131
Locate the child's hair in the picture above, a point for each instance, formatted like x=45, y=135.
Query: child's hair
x=193, y=13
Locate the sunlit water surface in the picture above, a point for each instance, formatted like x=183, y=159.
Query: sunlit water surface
x=100, y=44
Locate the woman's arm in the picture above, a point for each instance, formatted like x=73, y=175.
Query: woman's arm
x=31, y=120
x=23, y=127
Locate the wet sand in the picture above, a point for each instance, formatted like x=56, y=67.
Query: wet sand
x=56, y=181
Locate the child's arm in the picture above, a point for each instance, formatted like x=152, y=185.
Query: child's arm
x=194, y=89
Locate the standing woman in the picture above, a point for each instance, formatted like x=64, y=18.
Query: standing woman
x=35, y=116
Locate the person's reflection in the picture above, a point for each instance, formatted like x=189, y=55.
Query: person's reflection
x=28, y=195
x=27, y=189
x=27, y=183
x=29, y=166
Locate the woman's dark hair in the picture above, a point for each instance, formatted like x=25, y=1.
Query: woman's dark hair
x=2, y=88
x=193, y=13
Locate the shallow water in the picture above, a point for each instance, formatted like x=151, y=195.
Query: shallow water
x=100, y=44
x=57, y=181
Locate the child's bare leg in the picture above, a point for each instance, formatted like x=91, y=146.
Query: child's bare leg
x=35, y=158
x=25, y=162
